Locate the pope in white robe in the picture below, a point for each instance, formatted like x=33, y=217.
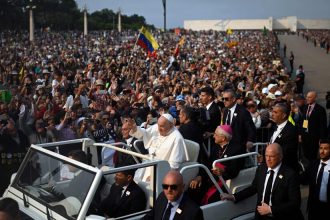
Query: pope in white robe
x=163, y=141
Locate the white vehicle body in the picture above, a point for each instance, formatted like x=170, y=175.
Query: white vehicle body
x=31, y=192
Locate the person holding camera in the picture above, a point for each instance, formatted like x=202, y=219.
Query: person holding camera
x=41, y=134
x=13, y=147
x=65, y=130
x=103, y=131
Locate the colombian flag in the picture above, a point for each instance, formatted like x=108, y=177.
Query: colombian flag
x=147, y=41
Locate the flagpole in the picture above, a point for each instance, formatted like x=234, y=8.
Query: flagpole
x=137, y=40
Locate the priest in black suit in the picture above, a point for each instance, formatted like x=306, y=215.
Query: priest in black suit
x=317, y=175
x=125, y=196
x=313, y=126
x=172, y=203
x=286, y=135
x=277, y=188
x=240, y=120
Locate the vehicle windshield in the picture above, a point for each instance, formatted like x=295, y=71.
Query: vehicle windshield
x=56, y=183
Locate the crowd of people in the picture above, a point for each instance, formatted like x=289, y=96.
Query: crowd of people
x=217, y=89
x=320, y=38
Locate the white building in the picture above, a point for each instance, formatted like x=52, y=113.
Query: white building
x=289, y=23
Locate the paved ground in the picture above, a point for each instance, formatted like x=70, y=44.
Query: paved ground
x=317, y=75
x=315, y=61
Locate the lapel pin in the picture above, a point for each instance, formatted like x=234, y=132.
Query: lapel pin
x=128, y=193
x=179, y=211
x=280, y=176
x=235, y=114
x=279, y=135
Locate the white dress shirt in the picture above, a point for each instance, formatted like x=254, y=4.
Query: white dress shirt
x=278, y=131
x=276, y=169
x=208, y=105
x=324, y=183
x=232, y=112
x=175, y=207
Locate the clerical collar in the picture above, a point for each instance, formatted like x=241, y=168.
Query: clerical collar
x=224, y=146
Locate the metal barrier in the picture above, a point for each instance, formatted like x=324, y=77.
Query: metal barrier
x=263, y=134
x=208, y=173
x=112, y=146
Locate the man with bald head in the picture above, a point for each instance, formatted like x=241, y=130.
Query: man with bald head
x=277, y=188
x=173, y=203
x=313, y=126
x=162, y=140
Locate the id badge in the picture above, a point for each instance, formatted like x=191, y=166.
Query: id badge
x=305, y=124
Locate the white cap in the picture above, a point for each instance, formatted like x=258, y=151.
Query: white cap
x=149, y=98
x=279, y=93
x=168, y=117
x=265, y=90
x=270, y=86
x=39, y=87
x=79, y=120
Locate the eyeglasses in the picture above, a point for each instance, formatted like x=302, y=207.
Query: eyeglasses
x=105, y=119
x=225, y=99
x=172, y=187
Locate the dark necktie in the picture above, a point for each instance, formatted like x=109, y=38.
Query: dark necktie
x=269, y=187
x=308, y=111
x=319, y=179
x=120, y=195
x=168, y=212
x=228, y=117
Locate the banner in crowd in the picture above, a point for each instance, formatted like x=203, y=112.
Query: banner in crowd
x=147, y=41
x=180, y=44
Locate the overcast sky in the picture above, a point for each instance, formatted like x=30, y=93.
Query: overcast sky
x=180, y=10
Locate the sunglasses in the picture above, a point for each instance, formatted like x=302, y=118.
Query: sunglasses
x=172, y=187
x=225, y=99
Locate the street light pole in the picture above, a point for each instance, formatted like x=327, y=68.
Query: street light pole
x=31, y=7
x=164, y=5
x=119, y=20
x=85, y=21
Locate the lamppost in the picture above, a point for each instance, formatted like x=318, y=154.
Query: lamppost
x=119, y=20
x=85, y=21
x=164, y=5
x=31, y=7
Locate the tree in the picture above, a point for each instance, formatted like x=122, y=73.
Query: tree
x=61, y=15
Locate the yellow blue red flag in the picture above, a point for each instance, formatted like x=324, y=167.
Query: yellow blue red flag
x=147, y=41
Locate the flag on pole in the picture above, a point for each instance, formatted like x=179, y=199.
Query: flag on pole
x=180, y=44
x=229, y=31
x=21, y=74
x=147, y=41
x=181, y=41
x=177, y=31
